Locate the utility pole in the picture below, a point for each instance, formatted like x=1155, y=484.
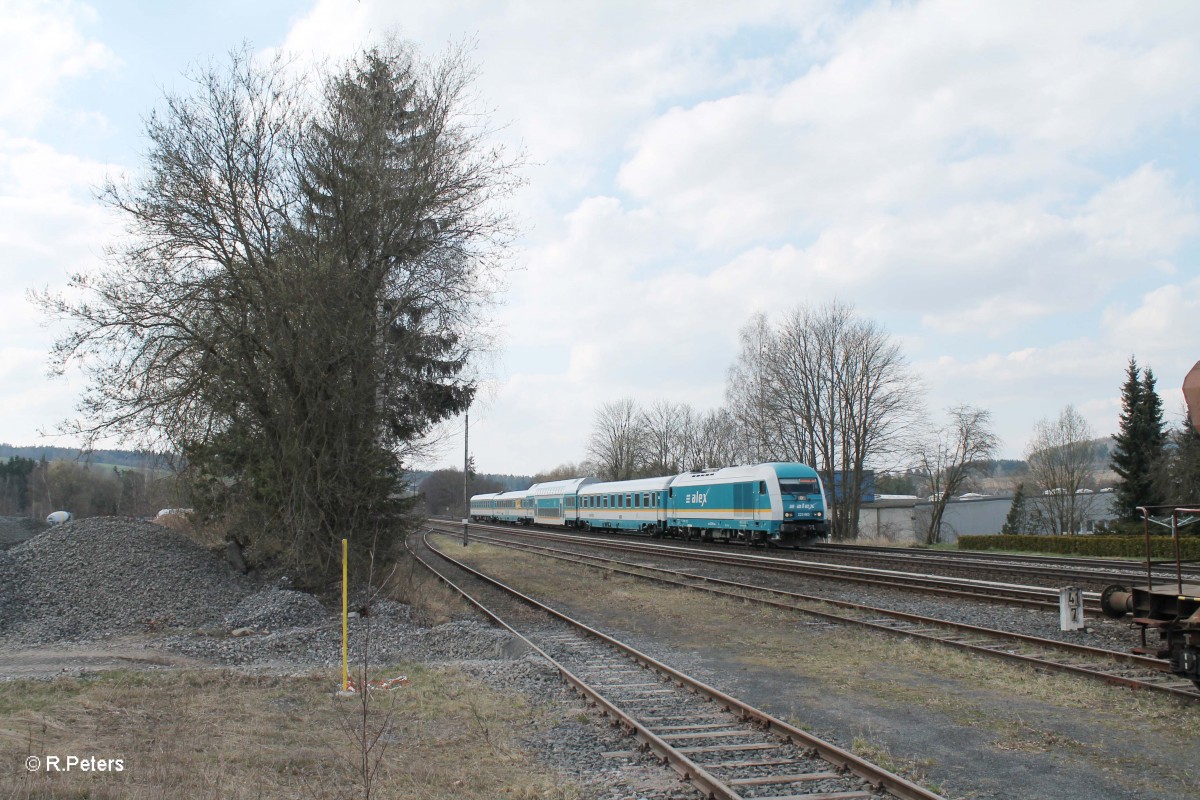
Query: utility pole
x=466, y=475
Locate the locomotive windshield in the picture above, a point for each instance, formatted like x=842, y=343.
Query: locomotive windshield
x=799, y=486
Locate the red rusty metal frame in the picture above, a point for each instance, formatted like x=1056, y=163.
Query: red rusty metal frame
x=1174, y=525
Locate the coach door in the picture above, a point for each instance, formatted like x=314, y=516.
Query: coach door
x=744, y=500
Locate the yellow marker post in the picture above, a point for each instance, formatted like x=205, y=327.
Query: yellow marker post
x=345, y=617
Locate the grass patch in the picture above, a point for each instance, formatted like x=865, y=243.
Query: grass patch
x=868, y=747
x=217, y=734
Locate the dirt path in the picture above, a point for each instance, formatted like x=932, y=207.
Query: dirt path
x=51, y=662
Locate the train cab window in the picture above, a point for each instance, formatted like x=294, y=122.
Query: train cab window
x=762, y=487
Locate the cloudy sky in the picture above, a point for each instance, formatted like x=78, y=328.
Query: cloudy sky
x=1010, y=188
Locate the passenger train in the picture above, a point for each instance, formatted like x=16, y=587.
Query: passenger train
x=778, y=504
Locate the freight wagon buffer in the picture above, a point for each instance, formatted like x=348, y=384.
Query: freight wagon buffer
x=1170, y=607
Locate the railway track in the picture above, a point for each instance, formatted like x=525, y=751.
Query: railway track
x=966, y=588
x=1112, y=667
x=723, y=747
x=1085, y=572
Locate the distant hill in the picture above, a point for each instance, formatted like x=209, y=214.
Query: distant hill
x=139, y=459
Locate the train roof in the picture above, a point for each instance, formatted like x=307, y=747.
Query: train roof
x=487, y=496
x=637, y=485
x=746, y=472
x=559, y=487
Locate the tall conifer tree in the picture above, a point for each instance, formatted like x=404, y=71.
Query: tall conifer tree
x=1154, y=438
x=1139, y=443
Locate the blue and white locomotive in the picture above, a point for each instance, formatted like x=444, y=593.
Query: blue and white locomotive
x=776, y=504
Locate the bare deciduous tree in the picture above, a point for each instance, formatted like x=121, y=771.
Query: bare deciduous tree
x=617, y=443
x=670, y=437
x=763, y=410
x=827, y=388
x=718, y=442
x=1061, y=459
x=564, y=472
x=950, y=455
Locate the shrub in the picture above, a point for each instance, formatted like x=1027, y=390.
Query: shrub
x=1162, y=547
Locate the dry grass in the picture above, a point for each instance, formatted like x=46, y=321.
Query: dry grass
x=432, y=601
x=215, y=734
x=824, y=661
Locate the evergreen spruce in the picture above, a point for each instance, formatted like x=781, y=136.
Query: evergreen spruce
x=1154, y=438
x=1126, y=454
x=1016, y=521
x=1139, y=443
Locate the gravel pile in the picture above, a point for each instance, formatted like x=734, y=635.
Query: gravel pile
x=104, y=576
x=272, y=609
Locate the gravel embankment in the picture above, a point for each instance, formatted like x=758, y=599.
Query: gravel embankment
x=105, y=576
x=80, y=583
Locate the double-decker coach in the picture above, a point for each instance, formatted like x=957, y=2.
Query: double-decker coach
x=555, y=502
x=636, y=505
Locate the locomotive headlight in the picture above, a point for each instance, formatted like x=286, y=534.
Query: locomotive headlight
x=818, y=514
x=789, y=514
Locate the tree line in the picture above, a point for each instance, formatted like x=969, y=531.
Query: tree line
x=35, y=488
x=296, y=303
x=824, y=386
x=1158, y=466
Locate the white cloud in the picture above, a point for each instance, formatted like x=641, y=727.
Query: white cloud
x=41, y=45
x=1162, y=326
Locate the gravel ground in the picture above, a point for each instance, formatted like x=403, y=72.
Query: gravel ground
x=1100, y=631
x=86, y=589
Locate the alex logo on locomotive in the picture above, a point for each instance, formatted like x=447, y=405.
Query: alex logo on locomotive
x=697, y=498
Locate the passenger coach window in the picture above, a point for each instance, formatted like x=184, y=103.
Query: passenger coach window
x=637, y=501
